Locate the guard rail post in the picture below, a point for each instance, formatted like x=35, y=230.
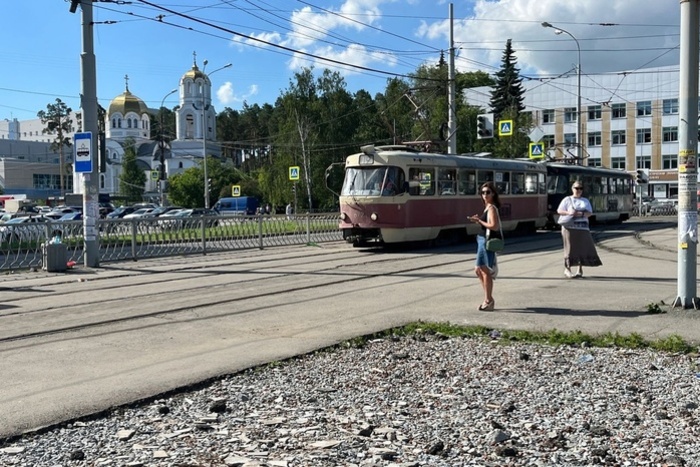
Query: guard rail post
x=133, y=240
x=203, y=225
x=260, y=230
x=308, y=228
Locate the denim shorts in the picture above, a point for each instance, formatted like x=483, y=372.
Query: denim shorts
x=483, y=257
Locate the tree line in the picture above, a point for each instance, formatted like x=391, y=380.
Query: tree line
x=316, y=121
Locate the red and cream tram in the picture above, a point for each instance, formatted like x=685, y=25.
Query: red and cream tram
x=395, y=194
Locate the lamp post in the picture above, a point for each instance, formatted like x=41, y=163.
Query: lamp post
x=205, y=107
x=162, y=143
x=579, y=126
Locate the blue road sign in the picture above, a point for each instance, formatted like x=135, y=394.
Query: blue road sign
x=294, y=172
x=83, y=152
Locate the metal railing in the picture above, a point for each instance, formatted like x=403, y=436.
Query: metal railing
x=134, y=239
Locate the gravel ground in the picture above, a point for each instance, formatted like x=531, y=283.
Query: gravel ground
x=414, y=401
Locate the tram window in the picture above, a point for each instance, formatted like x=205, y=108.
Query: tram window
x=503, y=183
x=422, y=181
x=542, y=184
x=394, y=182
x=484, y=176
x=447, y=179
x=595, y=188
x=518, y=186
x=604, y=185
x=531, y=184
x=467, y=182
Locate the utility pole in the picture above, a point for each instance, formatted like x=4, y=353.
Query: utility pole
x=452, y=118
x=688, y=157
x=88, y=105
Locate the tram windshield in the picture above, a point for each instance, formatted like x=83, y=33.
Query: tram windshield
x=557, y=184
x=373, y=181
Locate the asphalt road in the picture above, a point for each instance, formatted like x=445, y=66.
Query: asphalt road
x=77, y=343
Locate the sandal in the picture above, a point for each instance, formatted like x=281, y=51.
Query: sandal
x=487, y=306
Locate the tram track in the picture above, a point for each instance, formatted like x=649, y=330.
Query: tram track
x=255, y=278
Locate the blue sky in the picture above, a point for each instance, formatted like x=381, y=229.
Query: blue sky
x=267, y=41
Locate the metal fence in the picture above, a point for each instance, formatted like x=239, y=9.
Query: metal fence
x=134, y=239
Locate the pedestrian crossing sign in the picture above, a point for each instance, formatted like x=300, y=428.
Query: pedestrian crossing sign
x=236, y=190
x=294, y=173
x=155, y=175
x=537, y=151
x=505, y=128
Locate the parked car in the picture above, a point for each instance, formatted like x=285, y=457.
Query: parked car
x=186, y=218
x=120, y=212
x=71, y=216
x=143, y=212
x=162, y=210
x=23, y=229
x=662, y=207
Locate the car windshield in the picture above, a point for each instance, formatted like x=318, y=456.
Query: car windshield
x=17, y=220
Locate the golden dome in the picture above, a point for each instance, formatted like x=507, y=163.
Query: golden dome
x=126, y=103
x=195, y=73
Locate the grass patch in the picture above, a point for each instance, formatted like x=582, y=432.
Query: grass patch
x=673, y=343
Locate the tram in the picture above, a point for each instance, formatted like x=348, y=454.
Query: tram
x=610, y=191
x=396, y=194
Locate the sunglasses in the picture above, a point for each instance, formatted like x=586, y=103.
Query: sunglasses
x=578, y=188
x=486, y=192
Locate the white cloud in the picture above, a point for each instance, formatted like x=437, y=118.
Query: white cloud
x=641, y=34
x=227, y=96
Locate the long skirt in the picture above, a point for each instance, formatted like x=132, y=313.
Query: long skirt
x=579, y=249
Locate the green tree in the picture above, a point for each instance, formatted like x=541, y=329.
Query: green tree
x=132, y=180
x=58, y=123
x=507, y=104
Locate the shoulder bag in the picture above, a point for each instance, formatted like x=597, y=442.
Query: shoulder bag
x=566, y=220
x=495, y=244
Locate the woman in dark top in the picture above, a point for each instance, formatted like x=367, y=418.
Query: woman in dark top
x=486, y=266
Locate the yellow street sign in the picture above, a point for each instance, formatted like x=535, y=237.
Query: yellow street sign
x=537, y=151
x=294, y=172
x=505, y=128
x=236, y=190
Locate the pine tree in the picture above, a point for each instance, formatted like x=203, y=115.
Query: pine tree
x=507, y=104
x=132, y=180
x=508, y=94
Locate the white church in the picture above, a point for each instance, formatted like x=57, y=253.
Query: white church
x=28, y=166
x=195, y=129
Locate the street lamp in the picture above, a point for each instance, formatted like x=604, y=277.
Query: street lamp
x=204, y=136
x=162, y=143
x=579, y=126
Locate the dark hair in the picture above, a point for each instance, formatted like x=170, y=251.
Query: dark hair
x=495, y=200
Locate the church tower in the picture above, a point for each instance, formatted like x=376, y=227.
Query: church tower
x=195, y=117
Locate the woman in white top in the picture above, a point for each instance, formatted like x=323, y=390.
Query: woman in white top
x=579, y=249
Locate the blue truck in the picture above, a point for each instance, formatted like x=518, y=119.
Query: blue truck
x=238, y=206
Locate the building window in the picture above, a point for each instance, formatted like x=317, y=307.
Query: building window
x=619, y=110
x=548, y=116
x=569, y=139
x=643, y=135
x=548, y=141
x=595, y=138
x=670, y=133
x=619, y=136
x=595, y=162
x=643, y=108
x=669, y=161
x=618, y=163
x=595, y=112
x=670, y=106
x=644, y=162
x=569, y=114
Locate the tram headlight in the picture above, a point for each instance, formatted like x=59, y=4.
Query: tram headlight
x=343, y=216
x=374, y=216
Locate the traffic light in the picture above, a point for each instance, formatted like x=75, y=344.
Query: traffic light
x=642, y=178
x=484, y=126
